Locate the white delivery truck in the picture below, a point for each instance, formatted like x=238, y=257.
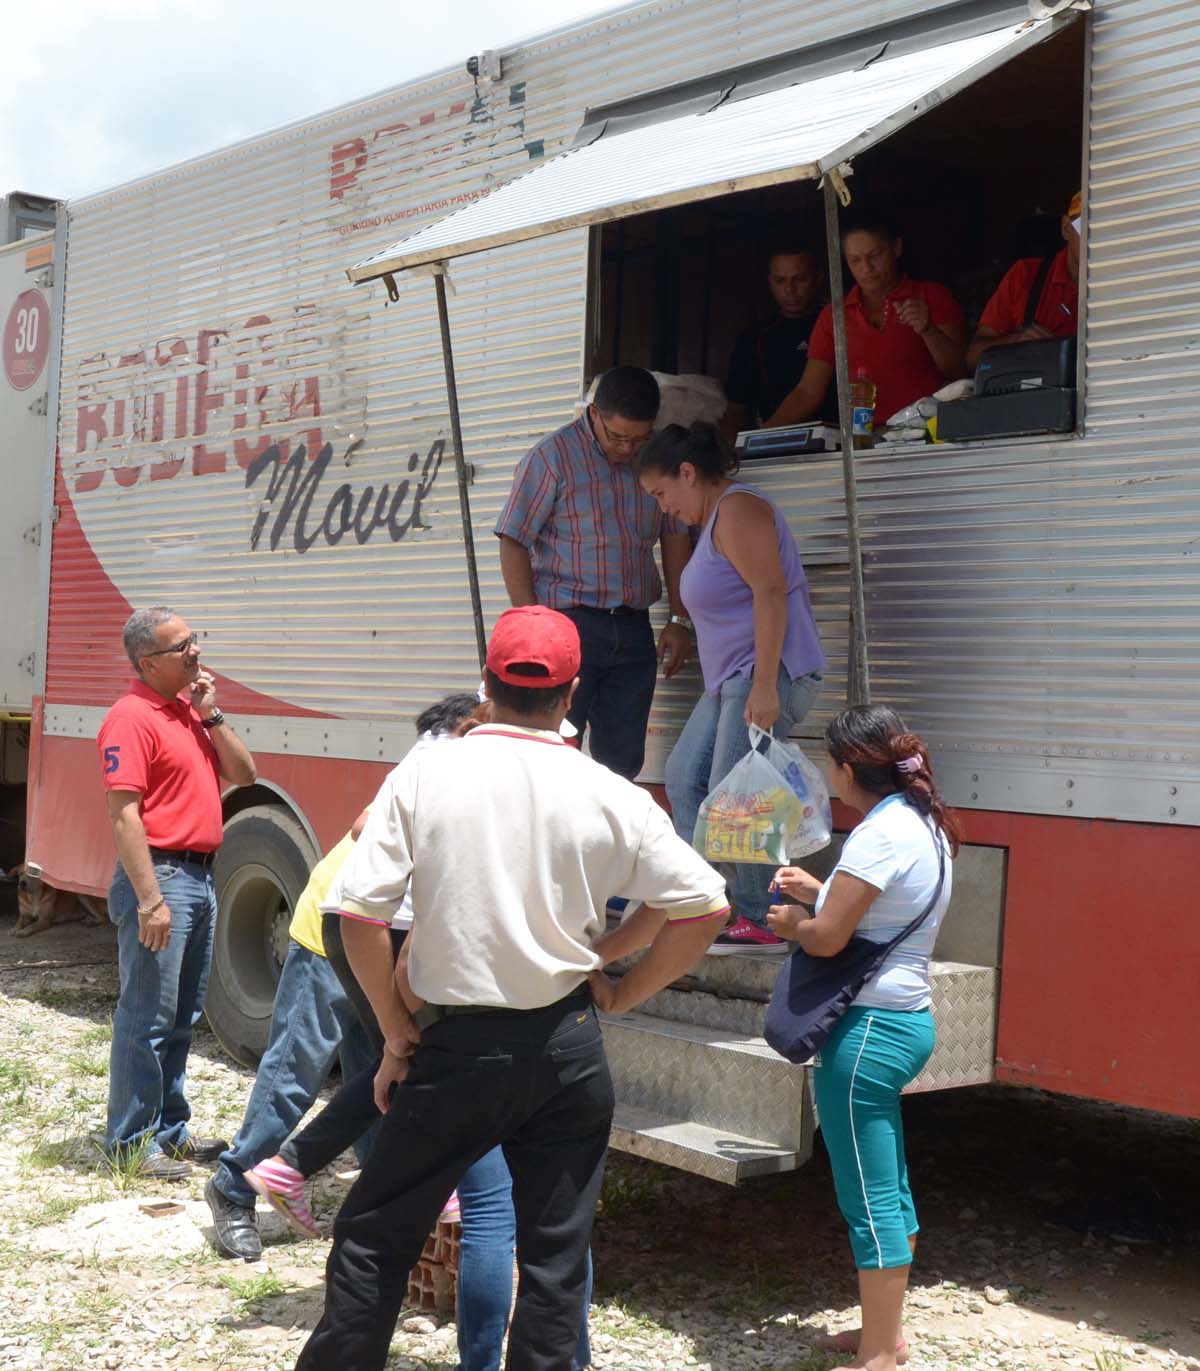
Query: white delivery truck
x=242, y=432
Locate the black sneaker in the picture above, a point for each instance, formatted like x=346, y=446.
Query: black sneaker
x=199, y=1149
x=235, y=1228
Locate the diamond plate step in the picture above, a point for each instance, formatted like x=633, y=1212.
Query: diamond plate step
x=728, y=1081
x=965, y=1005
x=716, y=1153
x=734, y=1000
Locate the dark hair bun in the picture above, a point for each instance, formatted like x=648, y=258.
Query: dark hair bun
x=700, y=443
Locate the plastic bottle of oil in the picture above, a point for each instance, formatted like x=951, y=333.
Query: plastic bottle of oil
x=862, y=403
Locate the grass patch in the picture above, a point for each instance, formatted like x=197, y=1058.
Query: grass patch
x=253, y=1290
x=47, y=1152
x=15, y=1080
x=85, y=1064
x=1109, y=1361
x=59, y=1206
x=123, y=1167
x=51, y=1333
x=617, y=1317
x=97, y=1034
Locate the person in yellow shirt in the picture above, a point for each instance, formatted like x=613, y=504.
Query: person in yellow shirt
x=319, y=1012
x=313, y=1023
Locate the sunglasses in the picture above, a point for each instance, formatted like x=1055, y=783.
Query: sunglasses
x=178, y=648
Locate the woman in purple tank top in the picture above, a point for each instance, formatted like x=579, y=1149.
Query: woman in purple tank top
x=760, y=655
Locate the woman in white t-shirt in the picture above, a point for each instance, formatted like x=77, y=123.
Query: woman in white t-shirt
x=886, y=877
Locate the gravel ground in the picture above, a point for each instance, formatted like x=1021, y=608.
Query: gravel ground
x=1055, y=1234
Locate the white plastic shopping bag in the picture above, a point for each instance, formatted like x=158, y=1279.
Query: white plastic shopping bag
x=772, y=805
x=815, y=828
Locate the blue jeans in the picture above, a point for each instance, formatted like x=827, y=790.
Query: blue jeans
x=713, y=740
x=616, y=686
x=162, y=997
x=312, y=1021
x=485, y=1266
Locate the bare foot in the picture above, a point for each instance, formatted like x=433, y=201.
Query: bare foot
x=848, y=1339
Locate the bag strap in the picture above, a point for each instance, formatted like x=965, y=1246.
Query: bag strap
x=1036, y=286
x=925, y=913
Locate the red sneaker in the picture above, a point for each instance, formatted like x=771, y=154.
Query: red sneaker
x=743, y=936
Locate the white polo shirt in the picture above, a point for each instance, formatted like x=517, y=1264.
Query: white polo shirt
x=513, y=842
x=894, y=850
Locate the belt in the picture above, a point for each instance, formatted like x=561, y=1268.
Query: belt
x=430, y=1014
x=180, y=855
x=613, y=611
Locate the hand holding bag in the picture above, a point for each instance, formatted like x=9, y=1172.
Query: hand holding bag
x=812, y=993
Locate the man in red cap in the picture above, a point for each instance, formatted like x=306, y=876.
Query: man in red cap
x=512, y=842
x=1037, y=297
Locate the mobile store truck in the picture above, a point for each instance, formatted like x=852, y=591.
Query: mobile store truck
x=309, y=469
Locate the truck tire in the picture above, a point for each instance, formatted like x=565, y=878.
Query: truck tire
x=259, y=874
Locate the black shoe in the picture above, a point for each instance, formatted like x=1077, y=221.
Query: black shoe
x=234, y=1225
x=199, y=1149
x=159, y=1167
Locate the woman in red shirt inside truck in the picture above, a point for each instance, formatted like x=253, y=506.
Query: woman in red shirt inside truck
x=907, y=336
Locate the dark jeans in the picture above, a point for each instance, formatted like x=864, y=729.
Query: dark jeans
x=161, y=1000
x=351, y=1112
x=616, y=686
x=535, y=1082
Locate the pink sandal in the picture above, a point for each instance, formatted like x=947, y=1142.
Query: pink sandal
x=282, y=1186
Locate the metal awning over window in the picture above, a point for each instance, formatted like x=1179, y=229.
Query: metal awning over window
x=800, y=131
x=736, y=135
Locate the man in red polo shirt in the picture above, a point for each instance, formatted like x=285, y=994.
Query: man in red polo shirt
x=1055, y=308
x=165, y=749
x=906, y=336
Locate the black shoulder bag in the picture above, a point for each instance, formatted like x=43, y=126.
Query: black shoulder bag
x=812, y=993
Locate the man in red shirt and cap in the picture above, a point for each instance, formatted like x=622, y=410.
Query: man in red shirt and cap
x=165, y=749
x=1044, y=291
x=513, y=841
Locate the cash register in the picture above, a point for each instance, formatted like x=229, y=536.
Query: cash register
x=1019, y=389
x=793, y=440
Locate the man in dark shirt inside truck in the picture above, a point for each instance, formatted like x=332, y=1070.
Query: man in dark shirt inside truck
x=769, y=357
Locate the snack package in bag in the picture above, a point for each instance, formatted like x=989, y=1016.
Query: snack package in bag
x=815, y=828
x=772, y=805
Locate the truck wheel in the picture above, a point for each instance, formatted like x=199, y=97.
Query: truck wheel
x=260, y=872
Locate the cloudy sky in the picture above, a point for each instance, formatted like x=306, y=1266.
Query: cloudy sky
x=96, y=92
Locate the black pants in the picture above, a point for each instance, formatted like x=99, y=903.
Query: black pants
x=352, y=1111
x=535, y=1081
x=616, y=686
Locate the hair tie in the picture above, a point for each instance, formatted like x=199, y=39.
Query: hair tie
x=909, y=764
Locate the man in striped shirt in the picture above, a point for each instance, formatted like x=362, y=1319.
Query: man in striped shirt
x=578, y=534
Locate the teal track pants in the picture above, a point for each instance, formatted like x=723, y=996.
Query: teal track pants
x=867, y=1060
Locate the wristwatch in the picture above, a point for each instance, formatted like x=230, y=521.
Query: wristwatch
x=682, y=620
x=213, y=720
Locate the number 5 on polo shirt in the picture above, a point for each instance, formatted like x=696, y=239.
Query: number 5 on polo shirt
x=112, y=760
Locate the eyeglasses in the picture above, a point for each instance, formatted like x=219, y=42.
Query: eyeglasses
x=177, y=648
x=620, y=439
